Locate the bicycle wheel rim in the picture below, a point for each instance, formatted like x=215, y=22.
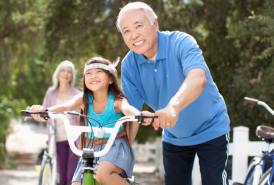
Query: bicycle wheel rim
x=254, y=173
x=46, y=173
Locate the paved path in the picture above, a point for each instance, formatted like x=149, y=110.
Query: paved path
x=28, y=139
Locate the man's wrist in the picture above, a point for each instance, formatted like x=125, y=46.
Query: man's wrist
x=174, y=106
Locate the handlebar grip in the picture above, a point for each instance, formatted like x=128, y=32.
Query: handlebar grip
x=25, y=113
x=143, y=116
x=251, y=100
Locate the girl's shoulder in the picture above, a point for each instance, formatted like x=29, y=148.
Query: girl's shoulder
x=117, y=102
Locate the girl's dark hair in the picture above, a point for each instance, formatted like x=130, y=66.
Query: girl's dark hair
x=113, y=88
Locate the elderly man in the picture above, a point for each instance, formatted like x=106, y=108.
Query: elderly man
x=168, y=72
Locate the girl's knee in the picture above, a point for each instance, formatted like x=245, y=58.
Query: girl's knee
x=101, y=176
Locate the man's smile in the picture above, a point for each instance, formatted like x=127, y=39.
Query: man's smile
x=138, y=43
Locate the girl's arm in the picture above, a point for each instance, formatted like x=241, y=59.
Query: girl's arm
x=74, y=103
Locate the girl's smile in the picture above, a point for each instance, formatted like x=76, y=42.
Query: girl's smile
x=95, y=82
x=96, y=79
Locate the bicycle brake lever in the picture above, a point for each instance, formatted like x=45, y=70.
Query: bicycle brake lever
x=45, y=115
x=140, y=118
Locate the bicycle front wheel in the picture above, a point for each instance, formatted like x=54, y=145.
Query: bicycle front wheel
x=46, y=173
x=265, y=178
x=254, y=172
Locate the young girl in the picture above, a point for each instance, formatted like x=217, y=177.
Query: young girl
x=103, y=100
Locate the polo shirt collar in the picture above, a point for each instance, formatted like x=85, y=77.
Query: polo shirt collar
x=161, y=53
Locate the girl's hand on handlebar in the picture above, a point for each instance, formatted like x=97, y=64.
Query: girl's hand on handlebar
x=37, y=108
x=147, y=121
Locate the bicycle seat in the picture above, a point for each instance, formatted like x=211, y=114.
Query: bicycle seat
x=265, y=132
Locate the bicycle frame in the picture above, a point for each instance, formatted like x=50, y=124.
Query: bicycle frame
x=73, y=133
x=266, y=154
x=50, y=155
x=51, y=151
x=264, y=159
x=272, y=173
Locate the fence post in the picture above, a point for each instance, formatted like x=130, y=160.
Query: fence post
x=159, y=157
x=240, y=155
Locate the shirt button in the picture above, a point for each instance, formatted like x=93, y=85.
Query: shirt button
x=148, y=61
x=155, y=70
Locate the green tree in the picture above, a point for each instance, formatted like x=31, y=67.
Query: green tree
x=19, y=47
x=236, y=37
x=253, y=38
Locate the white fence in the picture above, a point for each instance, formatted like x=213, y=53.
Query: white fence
x=240, y=150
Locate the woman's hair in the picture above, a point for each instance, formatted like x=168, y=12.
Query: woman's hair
x=136, y=6
x=55, y=75
x=113, y=88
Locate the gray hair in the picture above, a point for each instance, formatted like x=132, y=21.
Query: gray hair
x=136, y=6
x=55, y=75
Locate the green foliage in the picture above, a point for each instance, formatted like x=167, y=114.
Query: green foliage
x=253, y=73
x=236, y=37
x=9, y=108
x=18, y=30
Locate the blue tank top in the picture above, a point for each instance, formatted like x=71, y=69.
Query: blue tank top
x=107, y=116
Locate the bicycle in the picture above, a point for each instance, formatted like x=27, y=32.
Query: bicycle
x=88, y=154
x=48, y=173
x=257, y=173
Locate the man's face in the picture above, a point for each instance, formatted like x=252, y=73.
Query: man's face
x=138, y=33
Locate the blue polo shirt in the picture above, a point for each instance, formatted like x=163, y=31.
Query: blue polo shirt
x=157, y=82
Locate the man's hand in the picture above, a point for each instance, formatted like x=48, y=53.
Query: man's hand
x=167, y=117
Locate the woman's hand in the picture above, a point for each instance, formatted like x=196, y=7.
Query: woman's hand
x=147, y=121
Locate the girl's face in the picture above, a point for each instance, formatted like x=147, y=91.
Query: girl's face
x=96, y=79
x=65, y=75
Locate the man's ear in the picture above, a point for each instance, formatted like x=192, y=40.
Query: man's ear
x=156, y=24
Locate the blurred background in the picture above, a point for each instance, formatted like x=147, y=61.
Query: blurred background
x=236, y=37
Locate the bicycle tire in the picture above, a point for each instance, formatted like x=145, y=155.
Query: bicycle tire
x=265, y=178
x=254, y=172
x=45, y=173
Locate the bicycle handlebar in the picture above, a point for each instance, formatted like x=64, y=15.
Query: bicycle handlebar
x=251, y=100
x=73, y=132
x=255, y=101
